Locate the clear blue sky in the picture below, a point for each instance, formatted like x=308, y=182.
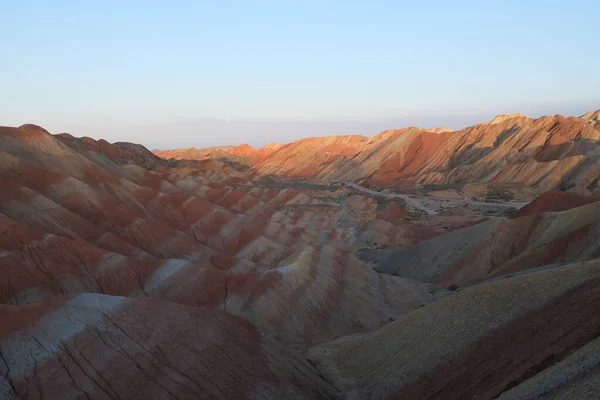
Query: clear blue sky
x=195, y=73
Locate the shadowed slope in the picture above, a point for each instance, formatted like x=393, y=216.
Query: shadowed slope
x=498, y=247
x=554, y=201
x=508, y=336
x=97, y=346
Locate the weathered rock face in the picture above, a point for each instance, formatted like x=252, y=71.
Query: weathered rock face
x=592, y=118
x=106, y=347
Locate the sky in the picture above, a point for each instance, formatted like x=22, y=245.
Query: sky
x=171, y=74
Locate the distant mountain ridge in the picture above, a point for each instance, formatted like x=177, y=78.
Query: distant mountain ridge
x=546, y=153
x=243, y=152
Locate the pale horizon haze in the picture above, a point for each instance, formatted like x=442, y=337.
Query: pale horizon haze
x=203, y=73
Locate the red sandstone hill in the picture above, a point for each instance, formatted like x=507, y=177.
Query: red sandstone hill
x=242, y=153
x=544, y=154
x=105, y=223
x=547, y=153
x=195, y=154
x=555, y=201
x=592, y=118
x=120, y=152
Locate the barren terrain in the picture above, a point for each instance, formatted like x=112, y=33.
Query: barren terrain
x=417, y=264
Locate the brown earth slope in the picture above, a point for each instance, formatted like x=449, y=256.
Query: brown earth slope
x=555, y=201
x=527, y=337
